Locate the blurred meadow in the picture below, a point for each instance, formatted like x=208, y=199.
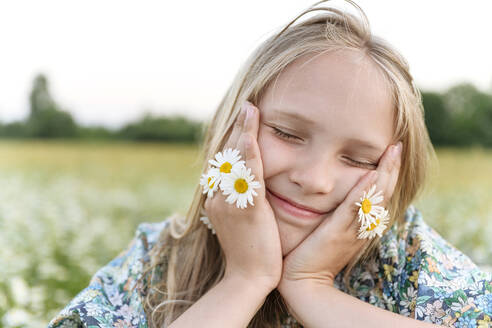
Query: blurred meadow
x=114, y=140
x=67, y=208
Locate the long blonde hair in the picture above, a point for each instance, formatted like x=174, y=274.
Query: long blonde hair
x=187, y=260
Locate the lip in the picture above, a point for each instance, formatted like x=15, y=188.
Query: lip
x=293, y=208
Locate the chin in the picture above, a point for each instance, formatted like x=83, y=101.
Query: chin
x=291, y=236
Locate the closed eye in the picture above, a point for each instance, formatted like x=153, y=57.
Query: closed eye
x=362, y=164
x=283, y=134
x=288, y=136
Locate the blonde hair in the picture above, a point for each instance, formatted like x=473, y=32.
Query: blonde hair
x=188, y=260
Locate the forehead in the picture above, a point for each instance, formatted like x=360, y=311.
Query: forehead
x=343, y=93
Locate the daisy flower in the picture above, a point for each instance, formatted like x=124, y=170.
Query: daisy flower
x=210, y=181
x=375, y=228
x=368, y=211
x=239, y=185
x=207, y=222
x=226, y=160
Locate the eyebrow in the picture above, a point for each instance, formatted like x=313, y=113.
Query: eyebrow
x=364, y=143
x=294, y=116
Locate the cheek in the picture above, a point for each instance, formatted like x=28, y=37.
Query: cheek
x=275, y=154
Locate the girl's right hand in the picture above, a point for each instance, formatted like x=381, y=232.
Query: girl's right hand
x=249, y=237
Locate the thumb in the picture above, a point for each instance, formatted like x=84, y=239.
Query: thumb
x=248, y=143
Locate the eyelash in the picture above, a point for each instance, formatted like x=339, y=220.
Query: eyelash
x=288, y=136
x=362, y=164
x=284, y=135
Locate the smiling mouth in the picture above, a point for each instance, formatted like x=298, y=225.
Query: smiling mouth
x=291, y=209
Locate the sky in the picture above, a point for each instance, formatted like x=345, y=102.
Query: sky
x=108, y=62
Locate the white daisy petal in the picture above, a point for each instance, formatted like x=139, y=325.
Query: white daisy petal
x=250, y=199
x=377, y=199
x=210, y=181
x=256, y=185
x=239, y=186
x=242, y=202
x=378, y=193
x=376, y=228
x=239, y=164
x=231, y=199
x=373, y=218
x=226, y=160
x=213, y=162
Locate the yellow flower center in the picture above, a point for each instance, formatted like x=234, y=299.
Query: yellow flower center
x=211, y=186
x=366, y=206
x=373, y=225
x=226, y=167
x=241, y=186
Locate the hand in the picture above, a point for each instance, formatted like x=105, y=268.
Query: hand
x=249, y=237
x=326, y=251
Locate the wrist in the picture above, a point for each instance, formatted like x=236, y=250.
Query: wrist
x=288, y=287
x=251, y=285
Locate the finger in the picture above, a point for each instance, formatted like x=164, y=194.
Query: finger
x=250, y=125
x=236, y=129
x=212, y=206
x=395, y=173
x=347, y=213
x=248, y=144
x=206, y=205
x=386, y=170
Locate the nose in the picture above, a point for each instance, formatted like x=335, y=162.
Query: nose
x=314, y=174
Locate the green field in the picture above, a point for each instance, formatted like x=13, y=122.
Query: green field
x=67, y=209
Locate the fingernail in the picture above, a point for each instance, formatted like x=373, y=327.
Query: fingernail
x=396, y=149
x=244, y=107
x=250, y=110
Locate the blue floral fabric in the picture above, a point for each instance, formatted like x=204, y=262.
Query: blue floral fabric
x=420, y=275
x=417, y=274
x=110, y=300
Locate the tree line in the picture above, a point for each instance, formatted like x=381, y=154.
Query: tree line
x=459, y=116
x=47, y=120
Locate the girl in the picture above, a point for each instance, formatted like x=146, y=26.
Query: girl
x=320, y=112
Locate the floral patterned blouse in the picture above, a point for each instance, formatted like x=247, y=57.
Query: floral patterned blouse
x=417, y=274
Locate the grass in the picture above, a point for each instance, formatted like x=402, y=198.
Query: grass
x=68, y=208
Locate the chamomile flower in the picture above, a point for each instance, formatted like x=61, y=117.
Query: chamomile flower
x=368, y=211
x=374, y=228
x=239, y=185
x=207, y=222
x=210, y=181
x=226, y=160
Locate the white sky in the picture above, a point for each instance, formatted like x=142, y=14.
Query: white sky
x=108, y=61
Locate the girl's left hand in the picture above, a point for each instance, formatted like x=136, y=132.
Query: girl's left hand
x=326, y=251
